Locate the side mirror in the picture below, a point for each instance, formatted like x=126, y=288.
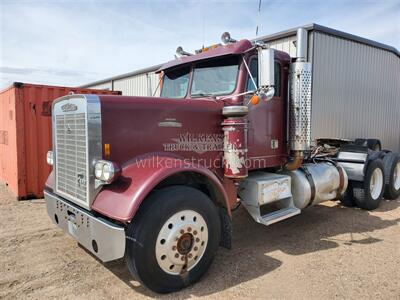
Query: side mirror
x=266, y=74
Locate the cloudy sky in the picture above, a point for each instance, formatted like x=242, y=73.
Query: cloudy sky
x=75, y=42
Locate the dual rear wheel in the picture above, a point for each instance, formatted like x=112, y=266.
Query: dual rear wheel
x=382, y=179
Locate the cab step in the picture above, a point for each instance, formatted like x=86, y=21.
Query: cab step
x=267, y=197
x=275, y=216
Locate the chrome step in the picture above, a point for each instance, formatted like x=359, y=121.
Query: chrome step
x=274, y=217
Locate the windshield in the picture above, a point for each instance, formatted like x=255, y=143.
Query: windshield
x=215, y=77
x=175, y=83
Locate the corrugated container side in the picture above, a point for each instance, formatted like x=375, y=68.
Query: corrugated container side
x=8, y=139
x=25, y=135
x=356, y=91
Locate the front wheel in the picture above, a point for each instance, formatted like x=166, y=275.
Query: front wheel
x=173, y=238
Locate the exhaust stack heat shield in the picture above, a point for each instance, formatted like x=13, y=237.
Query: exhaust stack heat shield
x=300, y=76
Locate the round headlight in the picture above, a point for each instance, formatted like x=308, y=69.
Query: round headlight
x=98, y=169
x=49, y=158
x=106, y=171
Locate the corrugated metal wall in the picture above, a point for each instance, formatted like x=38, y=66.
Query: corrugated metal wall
x=144, y=84
x=102, y=86
x=284, y=44
x=287, y=44
x=138, y=85
x=356, y=91
x=154, y=84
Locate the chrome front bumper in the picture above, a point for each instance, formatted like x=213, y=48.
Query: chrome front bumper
x=101, y=237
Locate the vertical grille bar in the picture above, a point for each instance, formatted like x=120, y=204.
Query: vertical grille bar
x=71, y=155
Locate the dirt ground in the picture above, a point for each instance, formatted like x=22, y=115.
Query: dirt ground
x=326, y=252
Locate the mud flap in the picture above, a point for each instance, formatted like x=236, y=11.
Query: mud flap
x=226, y=229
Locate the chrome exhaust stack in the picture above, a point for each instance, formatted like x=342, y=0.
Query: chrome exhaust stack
x=301, y=45
x=300, y=79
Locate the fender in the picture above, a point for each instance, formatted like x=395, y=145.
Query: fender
x=121, y=200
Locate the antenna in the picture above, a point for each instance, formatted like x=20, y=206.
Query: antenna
x=258, y=16
x=204, y=23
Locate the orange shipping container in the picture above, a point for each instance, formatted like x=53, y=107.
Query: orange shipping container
x=25, y=135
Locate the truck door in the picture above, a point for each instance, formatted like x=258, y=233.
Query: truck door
x=267, y=122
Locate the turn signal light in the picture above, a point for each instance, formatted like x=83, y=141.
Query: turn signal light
x=107, y=151
x=255, y=99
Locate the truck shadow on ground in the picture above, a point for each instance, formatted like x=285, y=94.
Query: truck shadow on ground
x=313, y=230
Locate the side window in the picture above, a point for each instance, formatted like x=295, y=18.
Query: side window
x=253, y=66
x=254, y=73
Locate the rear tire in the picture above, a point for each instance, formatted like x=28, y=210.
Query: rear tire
x=173, y=238
x=347, y=199
x=391, y=162
x=368, y=194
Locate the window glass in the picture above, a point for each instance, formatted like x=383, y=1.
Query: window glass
x=175, y=83
x=254, y=72
x=215, y=77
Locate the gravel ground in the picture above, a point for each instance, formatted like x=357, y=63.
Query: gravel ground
x=326, y=252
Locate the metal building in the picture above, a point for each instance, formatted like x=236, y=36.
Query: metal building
x=349, y=72
x=142, y=82
x=355, y=87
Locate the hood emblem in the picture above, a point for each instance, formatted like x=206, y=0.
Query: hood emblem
x=81, y=180
x=170, y=122
x=69, y=107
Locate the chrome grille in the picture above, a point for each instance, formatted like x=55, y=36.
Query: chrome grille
x=71, y=155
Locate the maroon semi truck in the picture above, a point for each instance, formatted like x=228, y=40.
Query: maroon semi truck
x=154, y=179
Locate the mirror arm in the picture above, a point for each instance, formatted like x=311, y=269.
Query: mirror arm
x=235, y=95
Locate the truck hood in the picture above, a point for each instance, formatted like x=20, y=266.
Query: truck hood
x=137, y=126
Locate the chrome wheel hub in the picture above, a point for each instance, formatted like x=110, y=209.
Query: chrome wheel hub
x=181, y=242
x=396, y=179
x=376, y=183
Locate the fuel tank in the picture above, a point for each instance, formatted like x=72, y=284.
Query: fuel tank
x=316, y=183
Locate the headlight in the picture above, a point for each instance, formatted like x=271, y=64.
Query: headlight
x=49, y=158
x=106, y=171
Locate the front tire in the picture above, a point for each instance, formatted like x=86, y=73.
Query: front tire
x=173, y=238
x=368, y=194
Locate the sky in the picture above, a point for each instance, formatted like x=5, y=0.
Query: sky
x=75, y=42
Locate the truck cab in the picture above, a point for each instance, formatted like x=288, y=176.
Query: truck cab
x=154, y=179
x=229, y=75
